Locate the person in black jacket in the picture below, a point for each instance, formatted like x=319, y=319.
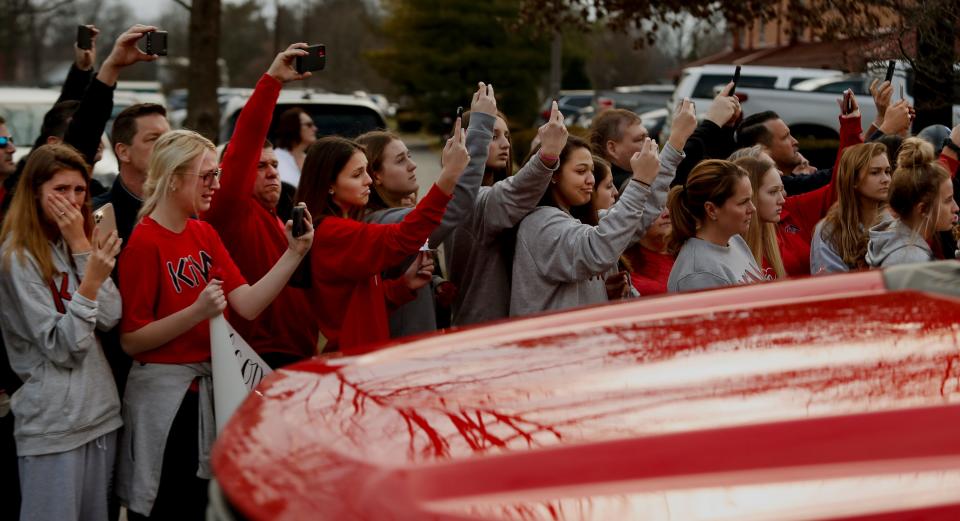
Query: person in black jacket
x=86, y=122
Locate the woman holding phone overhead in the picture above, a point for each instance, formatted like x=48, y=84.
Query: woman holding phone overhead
x=349, y=255
x=176, y=275
x=393, y=172
x=56, y=288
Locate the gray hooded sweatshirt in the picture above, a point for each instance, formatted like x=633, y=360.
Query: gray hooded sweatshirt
x=823, y=257
x=68, y=397
x=480, y=251
x=893, y=242
x=561, y=263
x=419, y=315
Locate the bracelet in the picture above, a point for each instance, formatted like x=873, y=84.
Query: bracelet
x=948, y=143
x=548, y=159
x=644, y=183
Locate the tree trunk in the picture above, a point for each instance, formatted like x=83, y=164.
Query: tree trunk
x=203, y=111
x=933, y=73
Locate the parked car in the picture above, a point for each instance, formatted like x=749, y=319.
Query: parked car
x=834, y=397
x=700, y=83
x=24, y=109
x=334, y=114
x=635, y=98
x=570, y=103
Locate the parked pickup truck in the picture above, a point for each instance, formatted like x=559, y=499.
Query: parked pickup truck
x=808, y=107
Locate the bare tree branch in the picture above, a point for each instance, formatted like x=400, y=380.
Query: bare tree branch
x=53, y=6
x=183, y=4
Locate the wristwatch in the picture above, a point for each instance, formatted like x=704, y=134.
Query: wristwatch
x=948, y=143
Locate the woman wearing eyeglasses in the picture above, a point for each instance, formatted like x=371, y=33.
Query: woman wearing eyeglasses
x=176, y=275
x=295, y=132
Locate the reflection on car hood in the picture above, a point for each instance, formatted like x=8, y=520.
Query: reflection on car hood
x=821, y=407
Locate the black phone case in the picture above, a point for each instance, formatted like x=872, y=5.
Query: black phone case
x=156, y=43
x=736, y=80
x=315, y=61
x=84, y=37
x=891, y=67
x=297, y=216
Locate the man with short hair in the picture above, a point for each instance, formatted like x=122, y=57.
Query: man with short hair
x=244, y=213
x=616, y=135
x=7, y=166
x=767, y=129
x=135, y=131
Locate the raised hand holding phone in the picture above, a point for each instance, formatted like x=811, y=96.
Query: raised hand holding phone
x=725, y=109
x=454, y=159
x=85, y=51
x=484, y=100
x=283, y=67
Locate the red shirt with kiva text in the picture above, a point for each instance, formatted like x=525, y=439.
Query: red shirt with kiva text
x=162, y=272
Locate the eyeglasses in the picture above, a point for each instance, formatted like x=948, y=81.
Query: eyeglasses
x=5, y=140
x=206, y=177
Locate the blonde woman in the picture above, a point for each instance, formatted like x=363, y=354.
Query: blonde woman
x=768, y=198
x=921, y=196
x=56, y=289
x=175, y=275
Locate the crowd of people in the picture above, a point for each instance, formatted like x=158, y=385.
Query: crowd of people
x=106, y=333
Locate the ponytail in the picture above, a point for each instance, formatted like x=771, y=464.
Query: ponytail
x=712, y=181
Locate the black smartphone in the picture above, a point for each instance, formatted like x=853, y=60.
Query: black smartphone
x=891, y=66
x=316, y=60
x=156, y=43
x=84, y=37
x=848, y=101
x=297, y=216
x=736, y=80
x=459, y=112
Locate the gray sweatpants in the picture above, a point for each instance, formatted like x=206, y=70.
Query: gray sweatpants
x=72, y=485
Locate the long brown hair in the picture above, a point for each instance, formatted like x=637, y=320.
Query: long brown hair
x=374, y=143
x=761, y=237
x=326, y=158
x=849, y=229
x=714, y=181
x=23, y=224
x=585, y=213
x=917, y=181
x=494, y=175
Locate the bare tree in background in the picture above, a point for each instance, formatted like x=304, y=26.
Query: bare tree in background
x=203, y=77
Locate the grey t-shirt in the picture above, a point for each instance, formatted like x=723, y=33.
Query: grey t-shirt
x=702, y=265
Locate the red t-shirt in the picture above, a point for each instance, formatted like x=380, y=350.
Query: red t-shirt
x=162, y=272
x=651, y=270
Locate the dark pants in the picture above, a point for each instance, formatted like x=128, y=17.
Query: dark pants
x=278, y=360
x=182, y=495
x=9, y=475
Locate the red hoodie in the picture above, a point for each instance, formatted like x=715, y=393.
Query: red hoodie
x=801, y=213
x=255, y=236
x=348, y=296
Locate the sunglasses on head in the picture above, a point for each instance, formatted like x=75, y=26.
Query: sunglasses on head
x=5, y=140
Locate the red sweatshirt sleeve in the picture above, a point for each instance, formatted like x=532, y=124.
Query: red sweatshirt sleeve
x=949, y=163
x=810, y=207
x=396, y=293
x=239, y=167
x=348, y=249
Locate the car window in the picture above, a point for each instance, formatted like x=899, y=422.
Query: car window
x=331, y=119
x=839, y=87
x=24, y=121
x=708, y=82
x=578, y=101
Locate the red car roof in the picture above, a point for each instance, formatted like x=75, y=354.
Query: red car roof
x=688, y=407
